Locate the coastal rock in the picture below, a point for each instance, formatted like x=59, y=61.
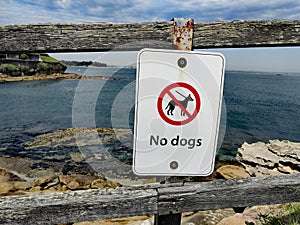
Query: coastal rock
x=40, y=172
x=62, y=188
x=237, y=219
x=43, y=181
x=53, y=183
x=231, y=171
x=87, y=151
x=77, y=157
x=22, y=185
x=54, y=76
x=80, y=182
x=76, y=182
x=288, y=150
x=255, y=211
x=208, y=217
x=60, y=183
x=275, y=158
x=5, y=188
x=80, y=137
x=135, y=220
x=101, y=183
x=254, y=214
x=5, y=175
x=36, y=189
x=74, y=185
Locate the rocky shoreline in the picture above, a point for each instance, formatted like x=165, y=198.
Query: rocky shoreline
x=108, y=152
x=85, y=158
x=11, y=184
x=269, y=159
x=72, y=151
x=55, y=76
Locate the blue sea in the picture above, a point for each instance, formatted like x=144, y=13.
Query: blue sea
x=257, y=106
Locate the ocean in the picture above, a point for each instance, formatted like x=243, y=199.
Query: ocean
x=257, y=106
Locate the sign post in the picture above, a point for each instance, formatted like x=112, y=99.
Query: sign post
x=178, y=86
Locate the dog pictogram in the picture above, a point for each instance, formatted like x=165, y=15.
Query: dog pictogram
x=186, y=114
x=172, y=104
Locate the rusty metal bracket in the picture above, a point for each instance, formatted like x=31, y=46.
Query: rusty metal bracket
x=183, y=33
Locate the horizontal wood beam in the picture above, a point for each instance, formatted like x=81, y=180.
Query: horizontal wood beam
x=66, y=207
x=260, y=33
x=134, y=36
x=84, y=37
x=233, y=193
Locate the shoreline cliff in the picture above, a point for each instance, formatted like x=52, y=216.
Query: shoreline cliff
x=54, y=76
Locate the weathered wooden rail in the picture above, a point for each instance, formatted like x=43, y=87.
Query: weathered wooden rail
x=150, y=199
x=63, y=207
x=134, y=36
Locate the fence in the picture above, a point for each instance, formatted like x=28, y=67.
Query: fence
x=107, y=36
x=168, y=199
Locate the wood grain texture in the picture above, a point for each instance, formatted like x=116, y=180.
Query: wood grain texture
x=146, y=200
x=247, y=34
x=134, y=36
x=84, y=37
x=77, y=206
x=231, y=193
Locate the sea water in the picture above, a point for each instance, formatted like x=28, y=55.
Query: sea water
x=256, y=106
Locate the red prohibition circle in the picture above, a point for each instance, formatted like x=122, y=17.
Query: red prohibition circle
x=167, y=91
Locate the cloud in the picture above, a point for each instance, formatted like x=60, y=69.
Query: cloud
x=74, y=11
x=64, y=3
x=42, y=12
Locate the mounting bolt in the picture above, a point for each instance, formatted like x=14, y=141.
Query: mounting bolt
x=174, y=165
x=181, y=62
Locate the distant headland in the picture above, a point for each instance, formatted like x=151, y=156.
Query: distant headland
x=34, y=66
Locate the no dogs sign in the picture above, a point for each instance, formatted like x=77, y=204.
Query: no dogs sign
x=177, y=112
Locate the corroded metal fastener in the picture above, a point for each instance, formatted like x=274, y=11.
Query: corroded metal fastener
x=183, y=33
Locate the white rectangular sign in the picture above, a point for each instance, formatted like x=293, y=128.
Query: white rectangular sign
x=177, y=112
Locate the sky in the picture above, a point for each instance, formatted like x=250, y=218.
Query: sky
x=277, y=59
x=77, y=11
x=81, y=11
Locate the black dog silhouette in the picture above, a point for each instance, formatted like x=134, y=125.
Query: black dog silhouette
x=171, y=105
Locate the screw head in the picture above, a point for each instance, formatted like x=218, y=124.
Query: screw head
x=181, y=62
x=174, y=165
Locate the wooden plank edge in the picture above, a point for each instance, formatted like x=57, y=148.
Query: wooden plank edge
x=77, y=206
x=96, y=37
x=231, y=193
x=63, y=207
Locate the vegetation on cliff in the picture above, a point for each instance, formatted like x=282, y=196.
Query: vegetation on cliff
x=23, y=66
x=83, y=63
x=15, y=70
